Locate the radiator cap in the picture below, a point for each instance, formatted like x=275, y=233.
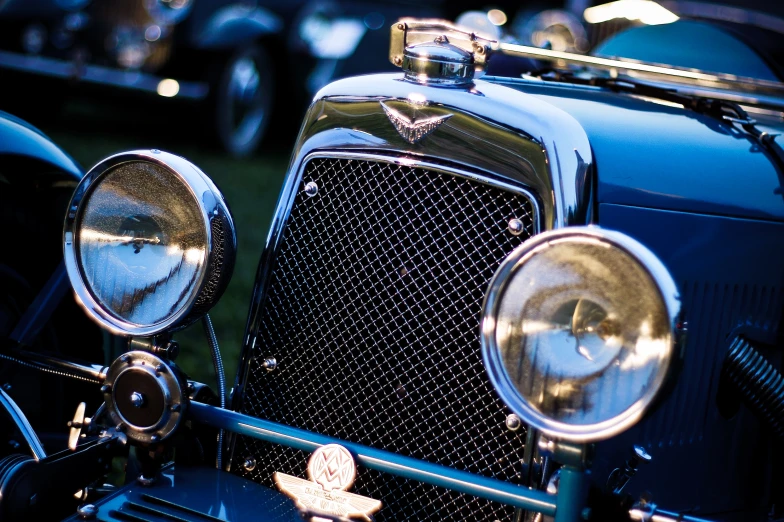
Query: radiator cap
x=438, y=62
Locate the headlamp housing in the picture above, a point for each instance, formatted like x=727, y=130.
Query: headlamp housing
x=149, y=243
x=579, y=332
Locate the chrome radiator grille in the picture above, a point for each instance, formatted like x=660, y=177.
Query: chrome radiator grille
x=372, y=312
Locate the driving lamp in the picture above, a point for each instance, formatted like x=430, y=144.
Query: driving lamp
x=578, y=332
x=149, y=243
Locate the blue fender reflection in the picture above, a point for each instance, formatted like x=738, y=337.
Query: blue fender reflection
x=20, y=139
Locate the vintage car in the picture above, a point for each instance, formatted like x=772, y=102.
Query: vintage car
x=556, y=297
x=220, y=66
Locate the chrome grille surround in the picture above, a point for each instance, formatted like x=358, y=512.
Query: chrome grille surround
x=372, y=313
x=514, y=139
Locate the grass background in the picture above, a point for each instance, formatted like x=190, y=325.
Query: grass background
x=90, y=132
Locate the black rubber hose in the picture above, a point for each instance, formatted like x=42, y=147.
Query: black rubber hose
x=760, y=385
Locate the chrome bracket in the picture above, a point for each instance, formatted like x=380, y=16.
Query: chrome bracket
x=410, y=31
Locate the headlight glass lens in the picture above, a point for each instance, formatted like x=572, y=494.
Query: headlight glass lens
x=142, y=243
x=580, y=333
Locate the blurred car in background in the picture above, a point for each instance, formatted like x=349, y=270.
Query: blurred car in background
x=236, y=60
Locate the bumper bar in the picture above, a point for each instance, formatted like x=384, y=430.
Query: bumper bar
x=406, y=467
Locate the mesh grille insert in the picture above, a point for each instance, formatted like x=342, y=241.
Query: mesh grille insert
x=372, y=313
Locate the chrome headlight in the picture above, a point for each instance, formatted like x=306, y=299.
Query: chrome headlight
x=149, y=243
x=578, y=331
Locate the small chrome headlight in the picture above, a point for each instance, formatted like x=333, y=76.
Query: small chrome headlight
x=149, y=243
x=578, y=331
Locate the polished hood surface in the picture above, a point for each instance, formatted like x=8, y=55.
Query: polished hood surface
x=649, y=153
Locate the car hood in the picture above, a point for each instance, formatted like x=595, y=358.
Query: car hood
x=651, y=154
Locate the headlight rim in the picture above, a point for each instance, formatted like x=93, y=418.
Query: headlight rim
x=491, y=354
x=196, y=182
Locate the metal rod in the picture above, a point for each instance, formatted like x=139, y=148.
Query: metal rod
x=21, y=422
x=572, y=493
x=385, y=461
x=662, y=72
x=49, y=363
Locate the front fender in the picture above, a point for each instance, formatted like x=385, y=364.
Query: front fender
x=236, y=24
x=20, y=142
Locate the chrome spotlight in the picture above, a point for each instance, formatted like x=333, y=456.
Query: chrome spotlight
x=149, y=243
x=578, y=331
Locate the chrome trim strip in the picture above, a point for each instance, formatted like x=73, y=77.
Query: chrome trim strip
x=21, y=422
x=98, y=74
x=493, y=358
x=426, y=165
x=387, y=462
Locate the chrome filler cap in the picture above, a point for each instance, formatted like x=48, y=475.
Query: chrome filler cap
x=438, y=62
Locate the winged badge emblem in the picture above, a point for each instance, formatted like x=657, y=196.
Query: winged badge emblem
x=413, y=130
x=331, y=471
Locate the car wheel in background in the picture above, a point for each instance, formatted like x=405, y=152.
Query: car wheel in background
x=242, y=100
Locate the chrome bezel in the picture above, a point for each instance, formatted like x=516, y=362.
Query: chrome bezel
x=197, y=184
x=491, y=353
x=174, y=402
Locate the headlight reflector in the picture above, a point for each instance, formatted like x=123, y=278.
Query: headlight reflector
x=149, y=243
x=578, y=331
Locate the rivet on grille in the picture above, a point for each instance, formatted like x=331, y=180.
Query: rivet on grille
x=270, y=364
x=513, y=422
x=311, y=189
x=516, y=227
x=249, y=464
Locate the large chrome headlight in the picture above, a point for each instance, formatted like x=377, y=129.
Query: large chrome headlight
x=149, y=243
x=578, y=331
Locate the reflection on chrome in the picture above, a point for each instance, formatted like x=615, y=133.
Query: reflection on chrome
x=140, y=286
x=142, y=244
x=582, y=331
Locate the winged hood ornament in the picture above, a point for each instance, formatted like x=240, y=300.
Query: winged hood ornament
x=413, y=130
x=331, y=471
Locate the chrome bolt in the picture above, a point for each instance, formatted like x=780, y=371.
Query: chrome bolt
x=137, y=399
x=516, y=227
x=513, y=422
x=311, y=189
x=270, y=364
x=640, y=455
x=249, y=464
x=441, y=39
x=401, y=26
x=161, y=368
x=546, y=446
x=155, y=151
x=175, y=408
x=125, y=358
x=87, y=511
x=106, y=388
x=155, y=438
x=145, y=481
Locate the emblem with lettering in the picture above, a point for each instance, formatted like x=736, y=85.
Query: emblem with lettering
x=331, y=471
x=413, y=130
